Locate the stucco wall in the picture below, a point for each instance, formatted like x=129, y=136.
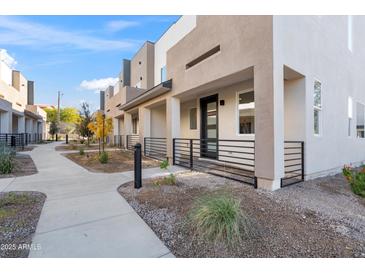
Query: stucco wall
x=318, y=47
x=158, y=121
x=175, y=33
x=142, y=65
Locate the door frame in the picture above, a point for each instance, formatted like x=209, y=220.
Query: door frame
x=203, y=124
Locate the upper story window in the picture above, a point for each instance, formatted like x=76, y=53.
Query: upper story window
x=350, y=114
x=246, y=112
x=163, y=74
x=360, y=120
x=140, y=62
x=317, y=107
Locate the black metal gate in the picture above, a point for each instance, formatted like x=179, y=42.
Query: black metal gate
x=132, y=140
x=293, y=163
x=235, y=158
x=155, y=148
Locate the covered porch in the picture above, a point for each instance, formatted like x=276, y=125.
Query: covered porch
x=237, y=127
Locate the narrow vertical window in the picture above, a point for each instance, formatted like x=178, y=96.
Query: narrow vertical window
x=134, y=125
x=246, y=112
x=350, y=111
x=349, y=32
x=317, y=107
x=360, y=120
x=192, y=118
x=163, y=74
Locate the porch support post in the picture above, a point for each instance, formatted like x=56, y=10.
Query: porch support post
x=144, y=115
x=5, y=122
x=269, y=126
x=172, y=124
x=127, y=126
x=21, y=124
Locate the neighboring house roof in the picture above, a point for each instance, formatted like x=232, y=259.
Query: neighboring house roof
x=32, y=115
x=148, y=95
x=43, y=106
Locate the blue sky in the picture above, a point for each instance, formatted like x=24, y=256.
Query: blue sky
x=68, y=52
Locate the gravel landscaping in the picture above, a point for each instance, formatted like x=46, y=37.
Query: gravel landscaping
x=19, y=215
x=23, y=166
x=318, y=218
x=76, y=147
x=118, y=161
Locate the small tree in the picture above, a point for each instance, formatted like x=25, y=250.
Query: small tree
x=101, y=127
x=85, y=120
x=53, y=129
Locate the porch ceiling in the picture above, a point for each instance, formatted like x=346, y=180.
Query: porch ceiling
x=226, y=81
x=148, y=95
x=32, y=115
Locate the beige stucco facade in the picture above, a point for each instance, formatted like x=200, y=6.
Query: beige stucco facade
x=17, y=113
x=269, y=56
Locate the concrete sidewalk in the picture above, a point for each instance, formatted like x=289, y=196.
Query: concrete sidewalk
x=84, y=216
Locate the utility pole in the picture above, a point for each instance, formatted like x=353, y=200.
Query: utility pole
x=58, y=113
x=58, y=107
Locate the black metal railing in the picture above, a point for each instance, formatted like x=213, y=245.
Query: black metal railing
x=233, y=159
x=119, y=141
x=132, y=140
x=293, y=163
x=155, y=147
x=12, y=139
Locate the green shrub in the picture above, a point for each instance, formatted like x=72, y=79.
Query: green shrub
x=82, y=141
x=356, y=179
x=169, y=179
x=164, y=164
x=6, y=159
x=218, y=217
x=103, y=157
x=81, y=151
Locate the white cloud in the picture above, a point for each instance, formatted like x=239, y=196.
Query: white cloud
x=7, y=59
x=16, y=31
x=118, y=25
x=98, y=84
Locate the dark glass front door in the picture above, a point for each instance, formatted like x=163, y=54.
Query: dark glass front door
x=209, y=126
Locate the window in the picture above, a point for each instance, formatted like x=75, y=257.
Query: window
x=163, y=74
x=140, y=78
x=360, y=120
x=317, y=107
x=134, y=125
x=350, y=111
x=193, y=119
x=246, y=112
x=140, y=63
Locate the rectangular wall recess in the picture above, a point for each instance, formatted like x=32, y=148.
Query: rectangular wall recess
x=203, y=57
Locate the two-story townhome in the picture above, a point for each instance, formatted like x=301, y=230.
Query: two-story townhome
x=19, y=116
x=266, y=100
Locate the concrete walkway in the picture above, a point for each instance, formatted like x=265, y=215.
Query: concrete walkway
x=84, y=216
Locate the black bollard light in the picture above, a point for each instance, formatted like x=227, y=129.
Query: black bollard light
x=13, y=141
x=66, y=138
x=137, y=166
